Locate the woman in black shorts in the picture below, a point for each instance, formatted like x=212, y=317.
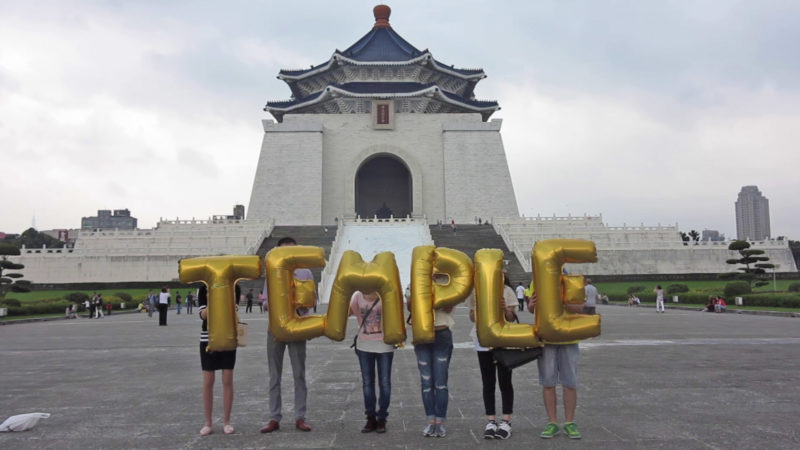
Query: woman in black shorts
x=211, y=362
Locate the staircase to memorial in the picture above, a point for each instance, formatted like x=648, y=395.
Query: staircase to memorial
x=471, y=238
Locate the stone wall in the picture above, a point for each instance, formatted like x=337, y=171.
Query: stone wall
x=447, y=155
x=631, y=249
x=141, y=255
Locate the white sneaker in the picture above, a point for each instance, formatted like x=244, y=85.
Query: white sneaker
x=503, y=430
x=429, y=431
x=490, y=430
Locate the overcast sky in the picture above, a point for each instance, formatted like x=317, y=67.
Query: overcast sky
x=647, y=112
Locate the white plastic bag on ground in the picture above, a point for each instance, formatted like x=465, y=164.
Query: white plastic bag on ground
x=22, y=422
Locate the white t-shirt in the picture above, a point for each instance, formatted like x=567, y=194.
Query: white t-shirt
x=591, y=295
x=163, y=298
x=520, y=292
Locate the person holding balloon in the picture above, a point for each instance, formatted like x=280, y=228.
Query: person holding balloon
x=210, y=363
x=372, y=352
x=433, y=362
x=493, y=373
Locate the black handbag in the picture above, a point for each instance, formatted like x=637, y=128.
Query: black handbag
x=511, y=358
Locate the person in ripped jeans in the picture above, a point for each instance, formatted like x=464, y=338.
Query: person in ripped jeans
x=433, y=361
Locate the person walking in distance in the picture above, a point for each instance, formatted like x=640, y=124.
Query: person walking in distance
x=659, y=299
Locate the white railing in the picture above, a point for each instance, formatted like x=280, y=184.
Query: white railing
x=386, y=221
x=253, y=249
x=514, y=246
x=329, y=272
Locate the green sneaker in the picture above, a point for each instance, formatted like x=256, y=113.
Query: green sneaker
x=549, y=431
x=572, y=430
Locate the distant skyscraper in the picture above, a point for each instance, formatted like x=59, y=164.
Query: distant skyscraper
x=752, y=214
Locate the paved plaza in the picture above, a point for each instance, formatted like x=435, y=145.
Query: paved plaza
x=683, y=379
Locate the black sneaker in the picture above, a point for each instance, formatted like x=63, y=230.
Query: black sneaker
x=503, y=430
x=490, y=430
x=380, y=426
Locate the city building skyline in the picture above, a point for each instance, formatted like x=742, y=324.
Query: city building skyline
x=752, y=215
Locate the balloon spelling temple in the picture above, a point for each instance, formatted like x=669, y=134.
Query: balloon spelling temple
x=388, y=141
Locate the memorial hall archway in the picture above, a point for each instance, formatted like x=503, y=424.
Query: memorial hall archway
x=383, y=187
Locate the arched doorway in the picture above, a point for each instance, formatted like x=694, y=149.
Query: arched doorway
x=383, y=188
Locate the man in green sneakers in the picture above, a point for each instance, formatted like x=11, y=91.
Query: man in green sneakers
x=558, y=364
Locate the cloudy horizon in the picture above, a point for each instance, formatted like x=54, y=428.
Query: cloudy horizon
x=646, y=113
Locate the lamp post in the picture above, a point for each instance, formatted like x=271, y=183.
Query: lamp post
x=774, y=282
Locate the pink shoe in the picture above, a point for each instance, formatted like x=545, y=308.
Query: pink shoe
x=205, y=431
x=227, y=429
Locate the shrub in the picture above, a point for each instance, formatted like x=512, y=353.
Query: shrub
x=124, y=296
x=77, y=297
x=11, y=302
x=780, y=300
x=634, y=289
x=677, y=289
x=735, y=288
x=794, y=287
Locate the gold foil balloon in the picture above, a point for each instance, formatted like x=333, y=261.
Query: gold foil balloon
x=381, y=276
x=285, y=294
x=574, y=289
x=220, y=274
x=554, y=324
x=426, y=261
x=490, y=321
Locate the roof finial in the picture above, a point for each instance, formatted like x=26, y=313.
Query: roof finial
x=382, y=13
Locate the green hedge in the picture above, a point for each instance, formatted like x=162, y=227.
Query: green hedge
x=10, y=302
x=673, y=289
x=40, y=307
x=737, y=288
x=784, y=300
x=794, y=287
x=59, y=305
x=634, y=289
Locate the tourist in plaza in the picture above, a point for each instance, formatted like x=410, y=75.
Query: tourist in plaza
x=558, y=364
x=591, y=297
x=151, y=302
x=89, y=308
x=720, y=305
x=98, y=306
x=520, y=296
x=433, y=362
x=178, y=300
x=249, y=297
x=189, y=302
x=659, y=299
x=297, y=357
x=493, y=374
x=210, y=362
x=633, y=300
x=163, y=305
x=372, y=352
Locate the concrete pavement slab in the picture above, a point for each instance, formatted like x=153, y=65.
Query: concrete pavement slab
x=683, y=379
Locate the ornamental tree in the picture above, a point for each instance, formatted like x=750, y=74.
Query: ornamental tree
x=755, y=265
x=11, y=281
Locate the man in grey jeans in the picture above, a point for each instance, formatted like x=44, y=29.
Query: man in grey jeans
x=297, y=356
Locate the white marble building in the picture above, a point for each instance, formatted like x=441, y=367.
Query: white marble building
x=381, y=129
